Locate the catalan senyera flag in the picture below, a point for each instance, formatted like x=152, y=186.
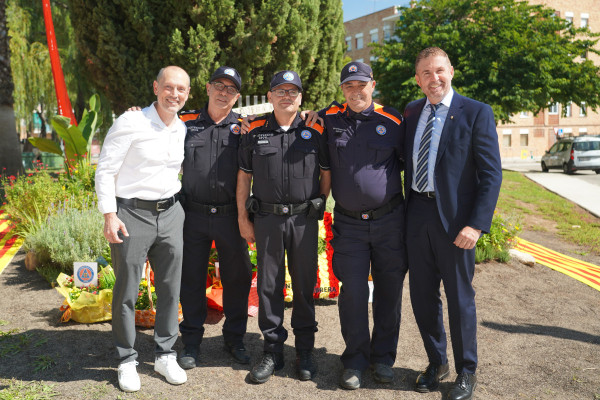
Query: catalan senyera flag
x=9, y=243
x=582, y=271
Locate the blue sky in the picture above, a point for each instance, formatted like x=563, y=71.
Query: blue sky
x=357, y=8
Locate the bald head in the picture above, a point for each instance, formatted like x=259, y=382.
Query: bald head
x=172, y=69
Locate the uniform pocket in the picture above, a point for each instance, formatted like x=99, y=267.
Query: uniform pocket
x=265, y=161
x=304, y=159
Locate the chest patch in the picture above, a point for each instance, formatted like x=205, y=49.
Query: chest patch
x=381, y=130
x=305, y=134
x=235, y=129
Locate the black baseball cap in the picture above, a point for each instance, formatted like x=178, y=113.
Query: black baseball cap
x=356, y=71
x=283, y=77
x=229, y=73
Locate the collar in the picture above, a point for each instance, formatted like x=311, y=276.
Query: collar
x=231, y=118
x=152, y=113
x=447, y=100
x=360, y=115
x=272, y=124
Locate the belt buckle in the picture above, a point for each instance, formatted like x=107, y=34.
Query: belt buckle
x=365, y=215
x=285, y=209
x=430, y=195
x=163, y=205
x=213, y=209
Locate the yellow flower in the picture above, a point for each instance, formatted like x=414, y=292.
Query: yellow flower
x=152, y=289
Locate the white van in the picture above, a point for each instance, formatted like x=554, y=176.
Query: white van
x=573, y=154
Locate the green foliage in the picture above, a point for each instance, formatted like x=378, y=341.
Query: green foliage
x=495, y=244
x=509, y=54
x=68, y=236
x=31, y=198
x=77, y=139
x=126, y=43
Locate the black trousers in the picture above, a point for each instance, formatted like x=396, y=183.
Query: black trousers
x=297, y=235
x=199, y=230
x=433, y=258
x=359, y=247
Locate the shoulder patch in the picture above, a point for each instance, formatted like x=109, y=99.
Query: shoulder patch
x=379, y=110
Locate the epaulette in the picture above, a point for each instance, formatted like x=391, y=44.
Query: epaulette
x=336, y=108
x=189, y=115
x=317, y=127
x=378, y=108
x=257, y=123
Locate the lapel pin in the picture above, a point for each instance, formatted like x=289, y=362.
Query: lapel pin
x=452, y=117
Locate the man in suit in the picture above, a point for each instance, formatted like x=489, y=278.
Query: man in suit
x=452, y=181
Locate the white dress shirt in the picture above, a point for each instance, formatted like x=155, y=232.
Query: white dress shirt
x=141, y=158
x=438, y=125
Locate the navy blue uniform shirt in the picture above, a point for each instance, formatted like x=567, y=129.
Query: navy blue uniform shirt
x=366, y=155
x=285, y=165
x=210, y=164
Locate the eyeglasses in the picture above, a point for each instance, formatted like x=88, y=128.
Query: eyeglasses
x=219, y=87
x=293, y=93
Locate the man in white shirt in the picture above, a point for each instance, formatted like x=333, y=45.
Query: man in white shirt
x=137, y=185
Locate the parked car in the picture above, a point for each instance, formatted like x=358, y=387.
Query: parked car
x=573, y=154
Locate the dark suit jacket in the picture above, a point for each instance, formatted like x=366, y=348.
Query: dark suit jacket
x=468, y=171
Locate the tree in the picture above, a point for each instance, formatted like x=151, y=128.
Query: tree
x=509, y=54
x=126, y=43
x=10, y=150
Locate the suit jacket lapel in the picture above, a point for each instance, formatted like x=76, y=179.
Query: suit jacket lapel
x=450, y=125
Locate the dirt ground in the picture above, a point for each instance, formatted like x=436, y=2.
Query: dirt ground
x=538, y=335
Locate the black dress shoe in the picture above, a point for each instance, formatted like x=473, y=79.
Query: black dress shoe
x=189, y=356
x=429, y=379
x=270, y=363
x=463, y=387
x=238, y=351
x=305, y=366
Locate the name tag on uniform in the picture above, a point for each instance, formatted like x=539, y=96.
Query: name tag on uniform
x=262, y=142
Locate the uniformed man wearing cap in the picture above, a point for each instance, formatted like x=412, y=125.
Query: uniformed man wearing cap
x=288, y=165
x=210, y=170
x=366, y=146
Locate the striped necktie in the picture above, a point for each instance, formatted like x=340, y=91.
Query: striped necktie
x=423, y=158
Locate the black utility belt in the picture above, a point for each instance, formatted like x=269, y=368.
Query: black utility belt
x=371, y=214
x=284, y=209
x=153, y=205
x=224, y=210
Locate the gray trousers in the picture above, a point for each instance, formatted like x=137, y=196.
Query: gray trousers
x=158, y=236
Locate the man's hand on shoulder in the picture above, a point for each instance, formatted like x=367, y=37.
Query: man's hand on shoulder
x=246, y=123
x=467, y=238
x=112, y=226
x=134, y=108
x=310, y=117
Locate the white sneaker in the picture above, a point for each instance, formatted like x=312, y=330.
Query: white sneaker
x=129, y=380
x=167, y=366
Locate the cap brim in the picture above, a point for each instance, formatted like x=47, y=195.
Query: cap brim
x=229, y=77
x=284, y=83
x=357, y=78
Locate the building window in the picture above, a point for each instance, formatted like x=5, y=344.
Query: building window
x=348, y=43
x=506, y=138
x=359, y=41
x=524, y=114
x=387, y=32
x=524, y=138
x=362, y=60
x=374, y=35
x=583, y=109
x=568, y=112
x=372, y=59
x=553, y=109
x=582, y=131
x=569, y=17
x=584, y=20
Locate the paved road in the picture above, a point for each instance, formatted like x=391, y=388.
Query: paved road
x=582, y=188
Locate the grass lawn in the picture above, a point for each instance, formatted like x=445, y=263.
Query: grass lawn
x=520, y=196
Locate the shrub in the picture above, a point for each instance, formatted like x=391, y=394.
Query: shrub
x=495, y=244
x=69, y=235
x=31, y=198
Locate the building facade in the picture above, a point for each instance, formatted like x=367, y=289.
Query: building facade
x=528, y=135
